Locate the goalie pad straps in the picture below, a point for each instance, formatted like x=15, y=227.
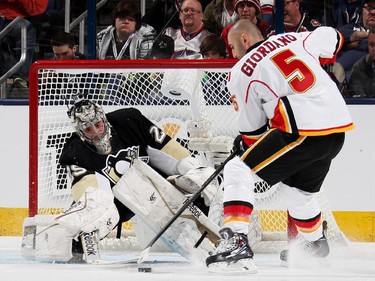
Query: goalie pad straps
x=90, y=246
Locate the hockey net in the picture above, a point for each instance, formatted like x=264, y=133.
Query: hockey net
x=176, y=95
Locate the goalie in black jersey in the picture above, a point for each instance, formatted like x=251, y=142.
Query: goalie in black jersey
x=112, y=160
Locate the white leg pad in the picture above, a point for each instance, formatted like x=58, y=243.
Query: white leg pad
x=95, y=210
x=154, y=200
x=45, y=240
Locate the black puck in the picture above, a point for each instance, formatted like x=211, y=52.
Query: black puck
x=144, y=269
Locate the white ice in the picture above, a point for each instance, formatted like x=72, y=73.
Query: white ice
x=356, y=262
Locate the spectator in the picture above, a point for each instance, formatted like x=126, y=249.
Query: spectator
x=163, y=14
x=362, y=79
x=163, y=47
x=246, y=9
x=315, y=9
x=10, y=45
x=266, y=9
x=294, y=19
x=64, y=47
x=188, y=38
x=218, y=14
x=213, y=47
x=127, y=37
x=344, y=12
x=355, y=35
x=213, y=84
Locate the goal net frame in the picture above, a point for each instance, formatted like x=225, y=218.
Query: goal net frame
x=166, y=80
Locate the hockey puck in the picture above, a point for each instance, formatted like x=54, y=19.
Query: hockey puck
x=144, y=269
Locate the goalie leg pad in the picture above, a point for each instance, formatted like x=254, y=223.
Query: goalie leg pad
x=154, y=200
x=46, y=241
x=95, y=210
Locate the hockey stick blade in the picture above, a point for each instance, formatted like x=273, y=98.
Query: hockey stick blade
x=145, y=252
x=110, y=262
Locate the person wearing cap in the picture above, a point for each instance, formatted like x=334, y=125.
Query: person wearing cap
x=355, y=36
x=246, y=9
x=127, y=37
x=163, y=47
x=218, y=14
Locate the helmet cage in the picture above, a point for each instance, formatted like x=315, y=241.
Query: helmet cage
x=85, y=114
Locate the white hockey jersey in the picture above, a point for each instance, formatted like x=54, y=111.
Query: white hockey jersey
x=280, y=82
x=186, y=46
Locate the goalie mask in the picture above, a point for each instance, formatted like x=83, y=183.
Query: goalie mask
x=91, y=125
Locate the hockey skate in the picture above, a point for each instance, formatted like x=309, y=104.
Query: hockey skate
x=233, y=254
x=307, y=249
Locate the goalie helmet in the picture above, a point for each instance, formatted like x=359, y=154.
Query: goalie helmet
x=86, y=114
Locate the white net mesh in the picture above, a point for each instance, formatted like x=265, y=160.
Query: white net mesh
x=171, y=95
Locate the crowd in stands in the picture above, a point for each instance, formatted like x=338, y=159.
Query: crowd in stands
x=193, y=29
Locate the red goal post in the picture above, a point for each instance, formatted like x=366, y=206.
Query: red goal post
x=172, y=93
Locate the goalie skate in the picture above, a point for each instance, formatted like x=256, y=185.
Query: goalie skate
x=233, y=254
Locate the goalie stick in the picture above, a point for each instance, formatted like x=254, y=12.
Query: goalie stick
x=145, y=252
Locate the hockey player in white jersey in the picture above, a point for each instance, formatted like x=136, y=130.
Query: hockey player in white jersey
x=293, y=120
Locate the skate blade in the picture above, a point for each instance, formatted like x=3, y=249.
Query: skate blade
x=243, y=266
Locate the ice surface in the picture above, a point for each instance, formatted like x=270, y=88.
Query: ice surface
x=356, y=262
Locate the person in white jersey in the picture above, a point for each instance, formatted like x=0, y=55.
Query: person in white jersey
x=293, y=120
x=189, y=37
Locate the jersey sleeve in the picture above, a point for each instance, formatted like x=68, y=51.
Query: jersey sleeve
x=136, y=125
x=80, y=178
x=324, y=43
x=252, y=118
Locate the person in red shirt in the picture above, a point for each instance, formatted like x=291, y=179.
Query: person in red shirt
x=10, y=44
x=246, y=9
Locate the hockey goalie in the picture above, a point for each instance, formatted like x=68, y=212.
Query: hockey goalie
x=119, y=164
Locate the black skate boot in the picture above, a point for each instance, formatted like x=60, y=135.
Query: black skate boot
x=233, y=254
x=316, y=249
x=77, y=252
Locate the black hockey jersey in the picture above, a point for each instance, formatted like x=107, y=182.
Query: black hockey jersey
x=132, y=134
